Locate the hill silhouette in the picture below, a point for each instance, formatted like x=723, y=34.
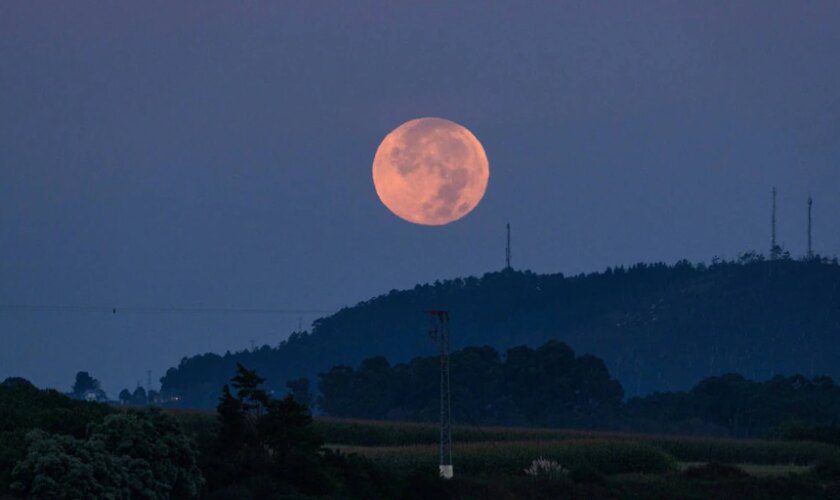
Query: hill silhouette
x=657, y=327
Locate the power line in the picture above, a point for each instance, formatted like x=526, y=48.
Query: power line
x=157, y=310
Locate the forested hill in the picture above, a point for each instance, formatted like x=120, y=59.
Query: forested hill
x=657, y=327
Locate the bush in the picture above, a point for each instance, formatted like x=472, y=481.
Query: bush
x=24, y=407
x=714, y=471
x=491, y=458
x=136, y=454
x=587, y=474
x=154, y=438
x=58, y=466
x=827, y=469
x=744, y=451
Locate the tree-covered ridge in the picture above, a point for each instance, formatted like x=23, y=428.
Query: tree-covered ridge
x=657, y=327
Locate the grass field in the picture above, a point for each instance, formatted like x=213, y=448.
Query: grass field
x=372, y=438
x=405, y=446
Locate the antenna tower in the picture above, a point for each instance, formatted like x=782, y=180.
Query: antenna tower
x=810, y=248
x=440, y=334
x=507, y=248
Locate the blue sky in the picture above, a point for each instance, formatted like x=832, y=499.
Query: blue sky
x=218, y=154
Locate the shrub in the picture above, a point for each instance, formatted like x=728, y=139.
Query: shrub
x=714, y=471
x=488, y=458
x=827, y=469
x=550, y=469
x=136, y=454
x=586, y=473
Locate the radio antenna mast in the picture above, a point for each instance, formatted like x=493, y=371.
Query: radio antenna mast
x=775, y=251
x=507, y=249
x=810, y=248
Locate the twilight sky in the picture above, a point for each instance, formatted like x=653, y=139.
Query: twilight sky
x=218, y=154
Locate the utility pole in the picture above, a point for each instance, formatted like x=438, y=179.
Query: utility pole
x=507, y=249
x=440, y=334
x=810, y=253
x=148, y=380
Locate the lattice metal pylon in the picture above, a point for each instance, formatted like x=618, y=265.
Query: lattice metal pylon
x=440, y=333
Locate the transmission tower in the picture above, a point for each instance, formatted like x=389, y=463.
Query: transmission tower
x=775, y=251
x=810, y=253
x=440, y=334
x=507, y=248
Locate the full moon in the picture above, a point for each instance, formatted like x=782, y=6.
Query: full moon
x=430, y=171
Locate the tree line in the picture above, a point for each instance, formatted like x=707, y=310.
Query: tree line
x=552, y=387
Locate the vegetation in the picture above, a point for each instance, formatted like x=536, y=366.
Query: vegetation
x=258, y=446
x=733, y=405
x=139, y=454
x=657, y=327
x=87, y=387
x=399, y=460
x=550, y=387
x=547, y=386
x=23, y=408
x=513, y=457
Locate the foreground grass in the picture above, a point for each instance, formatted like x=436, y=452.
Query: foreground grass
x=758, y=470
x=511, y=457
x=402, y=446
x=489, y=462
x=687, y=449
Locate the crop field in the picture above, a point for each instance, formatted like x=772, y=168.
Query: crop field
x=593, y=464
x=512, y=457
x=387, y=440
x=402, y=447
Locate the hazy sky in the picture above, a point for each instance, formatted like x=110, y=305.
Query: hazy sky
x=218, y=154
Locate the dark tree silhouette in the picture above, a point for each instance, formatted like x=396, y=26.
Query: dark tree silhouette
x=656, y=327
x=85, y=386
x=264, y=440
x=299, y=390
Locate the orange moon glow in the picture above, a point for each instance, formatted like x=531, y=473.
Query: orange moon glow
x=430, y=171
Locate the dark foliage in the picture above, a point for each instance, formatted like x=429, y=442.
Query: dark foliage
x=264, y=446
x=587, y=474
x=87, y=387
x=53, y=446
x=733, y=405
x=799, y=431
x=128, y=455
x=299, y=389
x=23, y=408
x=546, y=386
x=657, y=327
x=714, y=471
